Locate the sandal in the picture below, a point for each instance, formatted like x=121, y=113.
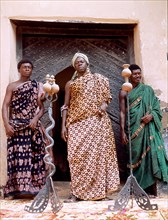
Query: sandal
x=71, y=198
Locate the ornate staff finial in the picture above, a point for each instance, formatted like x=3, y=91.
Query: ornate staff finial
x=126, y=73
x=50, y=87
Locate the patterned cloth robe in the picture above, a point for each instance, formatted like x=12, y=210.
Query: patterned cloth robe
x=91, y=144
x=149, y=160
x=26, y=149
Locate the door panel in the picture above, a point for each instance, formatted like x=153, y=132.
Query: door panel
x=52, y=55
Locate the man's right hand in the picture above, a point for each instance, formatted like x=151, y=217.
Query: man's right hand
x=64, y=133
x=9, y=130
x=124, y=139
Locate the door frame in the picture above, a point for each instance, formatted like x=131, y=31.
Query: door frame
x=74, y=29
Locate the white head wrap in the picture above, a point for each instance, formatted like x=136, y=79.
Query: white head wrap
x=79, y=55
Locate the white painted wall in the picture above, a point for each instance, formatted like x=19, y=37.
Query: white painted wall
x=150, y=38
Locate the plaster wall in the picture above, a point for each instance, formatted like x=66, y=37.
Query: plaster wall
x=150, y=43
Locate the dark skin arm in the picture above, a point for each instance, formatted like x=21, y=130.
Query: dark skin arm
x=34, y=120
x=41, y=94
x=5, y=107
x=64, y=133
x=122, y=105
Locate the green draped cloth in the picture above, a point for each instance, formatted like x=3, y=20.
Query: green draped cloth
x=149, y=160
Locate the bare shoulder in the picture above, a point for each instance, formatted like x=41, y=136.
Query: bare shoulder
x=68, y=84
x=12, y=86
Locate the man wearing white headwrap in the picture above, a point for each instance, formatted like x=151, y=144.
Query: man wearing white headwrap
x=87, y=129
x=79, y=55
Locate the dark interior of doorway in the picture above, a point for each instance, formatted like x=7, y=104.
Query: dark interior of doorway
x=60, y=147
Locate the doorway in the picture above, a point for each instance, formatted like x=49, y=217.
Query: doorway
x=60, y=147
x=51, y=46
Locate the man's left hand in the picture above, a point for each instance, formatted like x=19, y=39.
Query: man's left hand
x=147, y=118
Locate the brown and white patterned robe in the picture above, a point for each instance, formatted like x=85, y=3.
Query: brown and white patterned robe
x=91, y=144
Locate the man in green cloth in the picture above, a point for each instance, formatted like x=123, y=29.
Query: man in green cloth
x=149, y=160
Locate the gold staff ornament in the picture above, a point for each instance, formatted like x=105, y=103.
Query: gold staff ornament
x=47, y=85
x=54, y=86
x=126, y=73
x=50, y=87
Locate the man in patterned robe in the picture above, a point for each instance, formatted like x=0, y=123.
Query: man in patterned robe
x=22, y=108
x=87, y=129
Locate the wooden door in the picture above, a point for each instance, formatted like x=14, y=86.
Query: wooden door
x=107, y=51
